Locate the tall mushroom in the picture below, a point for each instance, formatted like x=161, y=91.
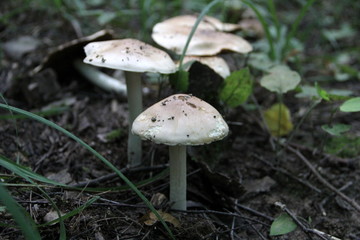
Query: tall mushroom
x=178, y=121
x=134, y=57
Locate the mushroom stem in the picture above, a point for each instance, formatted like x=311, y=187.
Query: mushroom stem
x=178, y=176
x=100, y=79
x=134, y=95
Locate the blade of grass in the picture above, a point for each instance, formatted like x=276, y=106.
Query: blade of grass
x=26, y=223
x=46, y=113
x=25, y=173
x=16, y=130
x=272, y=10
x=71, y=213
x=21, y=172
x=266, y=28
x=295, y=25
x=198, y=20
x=95, y=153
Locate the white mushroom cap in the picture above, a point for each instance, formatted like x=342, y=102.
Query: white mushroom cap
x=218, y=64
x=220, y=26
x=205, y=42
x=128, y=55
x=181, y=120
x=207, y=22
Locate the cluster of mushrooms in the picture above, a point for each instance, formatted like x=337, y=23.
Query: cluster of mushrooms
x=181, y=119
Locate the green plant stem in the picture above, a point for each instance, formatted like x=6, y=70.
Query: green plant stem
x=198, y=20
x=265, y=27
x=295, y=25
x=308, y=111
x=274, y=17
x=280, y=101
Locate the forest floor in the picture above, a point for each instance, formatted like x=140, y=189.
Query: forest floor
x=235, y=186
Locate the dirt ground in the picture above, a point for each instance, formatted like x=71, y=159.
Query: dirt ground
x=235, y=186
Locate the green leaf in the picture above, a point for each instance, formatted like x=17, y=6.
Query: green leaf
x=180, y=80
x=280, y=79
x=307, y=92
x=322, y=93
x=351, y=105
x=336, y=129
x=237, y=88
x=282, y=225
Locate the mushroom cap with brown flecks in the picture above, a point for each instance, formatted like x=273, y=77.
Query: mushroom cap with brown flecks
x=181, y=119
x=129, y=55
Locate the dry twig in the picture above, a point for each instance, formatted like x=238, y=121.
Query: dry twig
x=323, y=180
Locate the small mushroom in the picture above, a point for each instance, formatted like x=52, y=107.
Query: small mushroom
x=180, y=120
x=216, y=63
x=134, y=57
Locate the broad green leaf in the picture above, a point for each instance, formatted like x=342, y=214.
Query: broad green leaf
x=278, y=120
x=260, y=61
x=180, y=80
x=237, y=88
x=316, y=92
x=307, y=92
x=336, y=129
x=282, y=225
x=351, y=105
x=345, y=31
x=280, y=79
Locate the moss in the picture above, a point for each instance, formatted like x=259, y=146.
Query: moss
x=343, y=146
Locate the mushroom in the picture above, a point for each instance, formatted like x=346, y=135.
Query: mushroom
x=207, y=22
x=216, y=63
x=178, y=121
x=205, y=41
x=67, y=57
x=134, y=57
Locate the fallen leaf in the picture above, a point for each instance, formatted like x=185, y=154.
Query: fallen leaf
x=51, y=216
x=278, y=120
x=282, y=225
x=150, y=219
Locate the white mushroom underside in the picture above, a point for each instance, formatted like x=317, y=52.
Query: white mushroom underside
x=180, y=120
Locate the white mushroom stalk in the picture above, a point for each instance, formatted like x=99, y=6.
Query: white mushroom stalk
x=101, y=79
x=178, y=121
x=133, y=57
x=177, y=157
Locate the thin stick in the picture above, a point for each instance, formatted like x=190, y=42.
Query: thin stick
x=323, y=180
x=307, y=230
x=110, y=176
